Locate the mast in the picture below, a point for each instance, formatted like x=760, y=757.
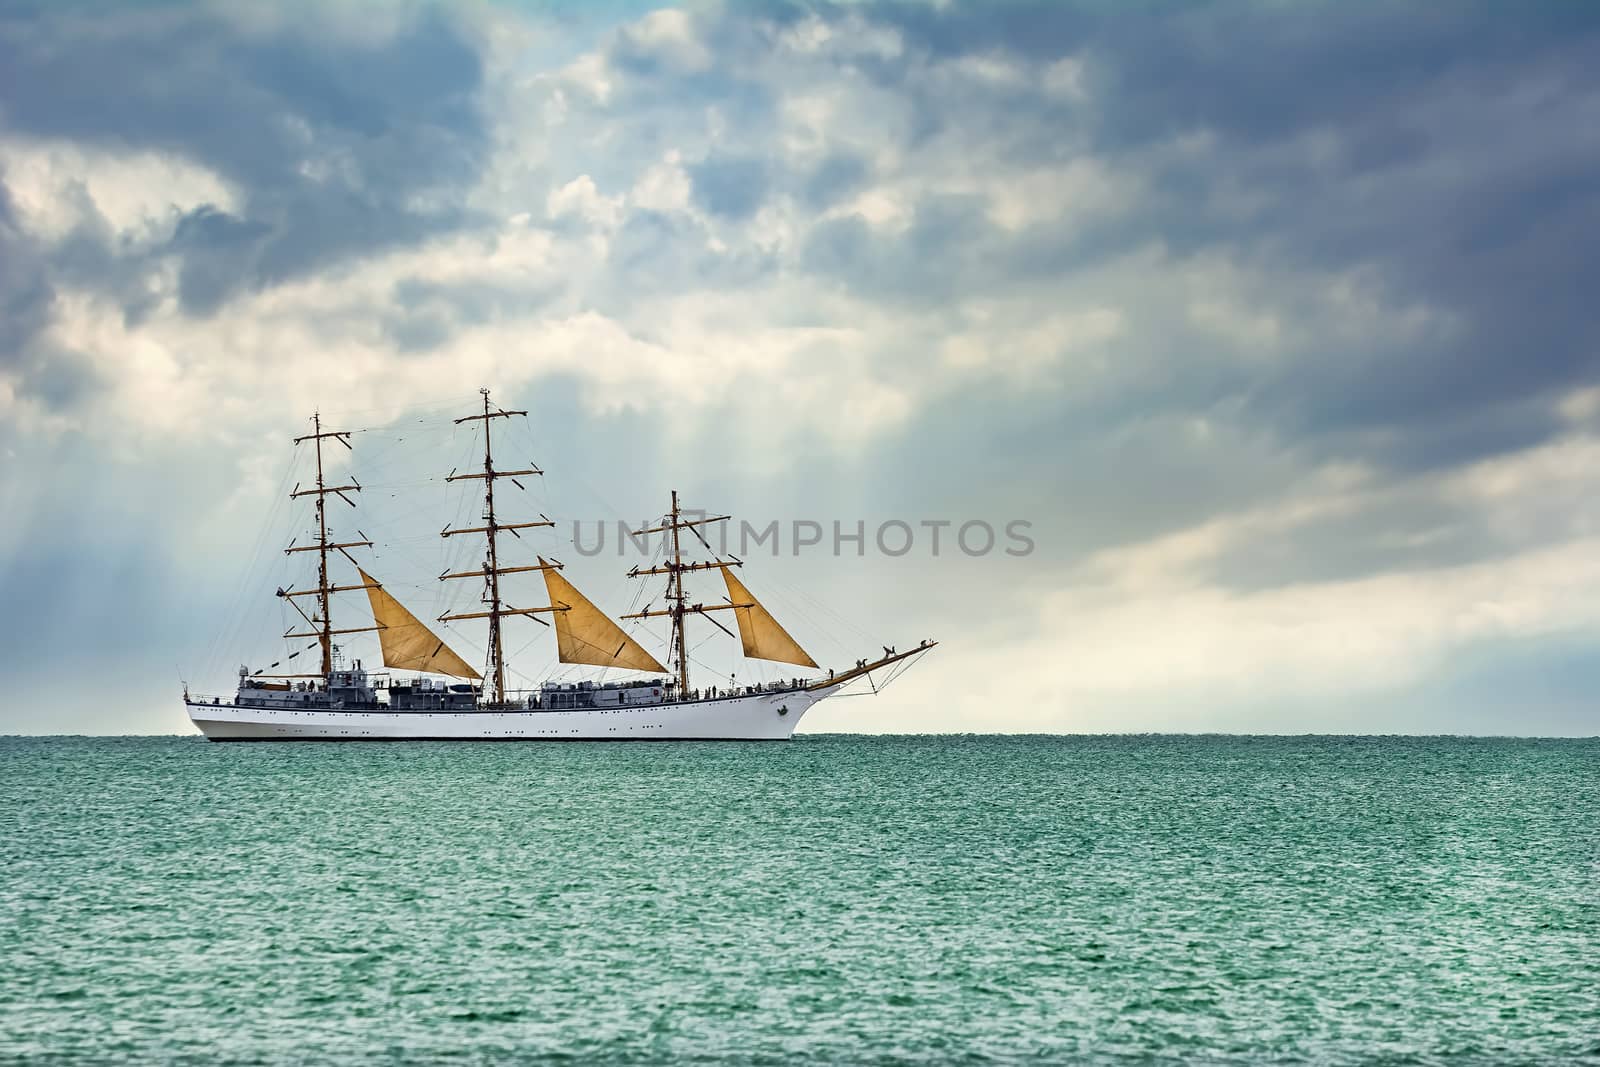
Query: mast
x=326, y=639
x=675, y=584
x=491, y=530
x=323, y=622
x=675, y=569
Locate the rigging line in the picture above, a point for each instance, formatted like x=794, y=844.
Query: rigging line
x=420, y=410
x=542, y=672
x=236, y=601
x=822, y=631
x=597, y=496
x=428, y=418
x=698, y=662
x=822, y=606
x=529, y=643
x=896, y=670
x=389, y=416
x=407, y=553
x=819, y=630
x=410, y=517
x=512, y=668
x=400, y=432
x=401, y=429
x=389, y=487
x=231, y=635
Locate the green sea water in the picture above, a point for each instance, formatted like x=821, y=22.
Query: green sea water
x=830, y=900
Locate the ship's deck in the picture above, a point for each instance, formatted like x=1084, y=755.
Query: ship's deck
x=711, y=696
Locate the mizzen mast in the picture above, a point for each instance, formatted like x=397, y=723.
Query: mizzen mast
x=491, y=529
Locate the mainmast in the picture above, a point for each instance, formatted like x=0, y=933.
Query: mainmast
x=323, y=622
x=491, y=529
x=675, y=584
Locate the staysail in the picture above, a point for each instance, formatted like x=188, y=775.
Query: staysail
x=407, y=643
x=762, y=636
x=584, y=633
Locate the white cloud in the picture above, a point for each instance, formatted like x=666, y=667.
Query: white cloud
x=581, y=199
x=1065, y=78
x=1080, y=191
x=668, y=34
x=1140, y=637
x=1008, y=340
x=664, y=186
x=850, y=36
x=59, y=185
x=1580, y=405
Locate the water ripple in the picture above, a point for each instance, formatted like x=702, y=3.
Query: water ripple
x=860, y=900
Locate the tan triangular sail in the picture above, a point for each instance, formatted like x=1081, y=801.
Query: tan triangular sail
x=762, y=636
x=407, y=643
x=585, y=634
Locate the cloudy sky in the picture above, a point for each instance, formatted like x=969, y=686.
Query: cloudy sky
x=1275, y=321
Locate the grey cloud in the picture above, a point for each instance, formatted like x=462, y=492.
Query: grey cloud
x=60, y=379
x=1442, y=154
x=655, y=253
x=338, y=147
x=26, y=296
x=196, y=83
x=26, y=300
x=218, y=253
x=35, y=369
x=1446, y=154
x=418, y=330
x=1408, y=533
x=1089, y=478
x=732, y=187
x=835, y=178
x=1456, y=165
x=423, y=314
x=1402, y=187
x=949, y=252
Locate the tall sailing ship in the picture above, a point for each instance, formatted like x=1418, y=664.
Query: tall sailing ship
x=443, y=697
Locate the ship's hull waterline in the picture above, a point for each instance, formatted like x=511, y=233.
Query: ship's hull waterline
x=755, y=717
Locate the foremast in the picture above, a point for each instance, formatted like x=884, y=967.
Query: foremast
x=759, y=632
x=674, y=569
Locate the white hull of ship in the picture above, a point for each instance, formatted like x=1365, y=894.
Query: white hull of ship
x=755, y=717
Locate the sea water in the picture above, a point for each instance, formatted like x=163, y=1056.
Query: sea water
x=830, y=900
